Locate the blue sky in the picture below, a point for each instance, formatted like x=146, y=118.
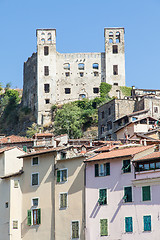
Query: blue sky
x=80, y=28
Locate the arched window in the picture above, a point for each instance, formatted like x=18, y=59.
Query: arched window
x=49, y=39
x=49, y=33
x=42, y=33
x=117, y=37
x=82, y=96
x=43, y=40
x=81, y=66
x=95, y=66
x=66, y=66
x=110, y=34
x=110, y=40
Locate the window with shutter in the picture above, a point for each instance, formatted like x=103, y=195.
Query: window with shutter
x=29, y=217
x=96, y=170
x=147, y=223
x=102, y=169
x=36, y=214
x=126, y=166
x=103, y=227
x=35, y=179
x=107, y=169
x=75, y=229
x=127, y=194
x=63, y=200
x=128, y=224
x=62, y=175
x=58, y=176
x=102, y=197
x=146, y=193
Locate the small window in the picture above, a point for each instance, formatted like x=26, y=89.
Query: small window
x=103, y=227
x=110, y=40
x=109, y=111
x=63, y=155
x=67, y=90
x=16, y=183
x=75, y=230
x=49, y=39
x=117, y=37
x=116, y=84
x=49, y=33
x=156, y=109
x=61, y=175
x=81, y=66
x=43, y=40
x=115, y=69
x=46, y=70
x=146, y=193
x=82, y=96
x=128, y=224
x=102, y=170
x=96, y=74
x=46, y=51
x=110, y=34
x=115, y=49
x=35, y=161
x=81, y=74
x=127, y=194
x=102, y=129
x=47, y=101
x=102, y=113
x=35, y=179
x=109, y=125
x=15, y=224
x=102, y=197
x=66, y=66
x=95, y=66
x=36, y=216
x=46, y=88
x=147, y=223
x=6, y=204
x=63, y=200
x=35, y=202
x=95, y=90
x=42, y=33
x=126, y=166
x=67, y=74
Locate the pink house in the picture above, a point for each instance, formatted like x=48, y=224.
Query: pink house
x=123, y=194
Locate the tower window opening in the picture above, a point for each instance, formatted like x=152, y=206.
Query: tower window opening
x=81, y=66
x=115, y=69
x=67, y=90
x=46, y=88
x=114, y=49
x=110, y=34
x=43, y=40
x=49, y=39
x=47, y=101
x=117, y=37
x=49, y=33
x=46, y=50
x=66, y=66
x=95, y=65
x=46, y=70
x=110, y=40
x=96, y=74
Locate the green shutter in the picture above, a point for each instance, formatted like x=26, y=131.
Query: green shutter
x=103, y=227
x=147, y=223
x=64, y=175
x=96, y=170
x=24, y=148
x=102, y=196
x=39, y=216
x=29, y=217
x=128, y=194
x=58, y=176
x=75, y=230
x=107, y=168
x=146, y=193
x=128, y=224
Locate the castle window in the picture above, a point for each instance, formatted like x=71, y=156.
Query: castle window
x=81, y=74
x=117, y=37
x=46, y=51
x=67, y=74
x=102, y=114
x=43, y=40
x=110, y=34
x=109, y=125
x=96, y=74
x=116, y=84
x=102, y=129
x=82, y=96
x=46, y=70
x=115, y=49
x=95, y=90
x=49, y=39
x=42, y=33
x=110, y=40
x=66, y=66
x=47, y=101
x=95, y=65
x=81, y=66
x=46, y=88
x=49, y=33
x=115, y=69
x=67, y=90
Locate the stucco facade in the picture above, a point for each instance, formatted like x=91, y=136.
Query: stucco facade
x=51, y=77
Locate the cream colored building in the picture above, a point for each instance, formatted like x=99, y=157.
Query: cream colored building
x=49, y=176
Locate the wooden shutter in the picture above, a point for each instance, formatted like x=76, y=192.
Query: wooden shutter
x=39, y=216
x=146, y=193
x=107, y=168
x=64, y=173
x=128, y=194
x=75, y=229
x=147, y=223
x=128, y=224
x=58, y=176
x=96, y=170
x=103, y=227
x=65, y=200
x=102, y=196
x=29, y=217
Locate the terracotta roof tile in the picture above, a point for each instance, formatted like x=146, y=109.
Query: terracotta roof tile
x=14, y=139
x=43, y=135
x=105, y=148
x=150, y=156
x=129, y=151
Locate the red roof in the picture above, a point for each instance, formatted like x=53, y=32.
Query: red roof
x=105, y=148
x=43, y=135
x=14, y=139
x=2, y=150
x=129, y=151
x=150, y=156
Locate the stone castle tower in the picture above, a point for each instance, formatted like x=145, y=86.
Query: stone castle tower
x=51, y=77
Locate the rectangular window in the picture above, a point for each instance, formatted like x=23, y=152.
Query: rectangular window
x=103, y=227
x=46, y=70
x=102, y=114
x=15, y=224
x=102, y=129
x=96, y=74
x=127, y=194
x=147, y=223
x=95, y=90
x=115, y=49
x=102, y=197
x=109, y=125
x=75, y=229
x=81, y=74
x=46, y=51
x=47, y=101
x=34, y=161
x=128, y=224
x=62, y=175
x=126, y=166
x=63, y=200
x=67, y=90
x=146, y=193
x=67, y=74
x=35, y=179
x=156, y=109
x=36, y=215
x=46, y=88
x=35, y=202
x=63, y=155
x=109, y=111
x=16, y=184
x=115, y=69
x=102, y=169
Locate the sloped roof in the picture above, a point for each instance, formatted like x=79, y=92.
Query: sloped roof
x=150, y=156
x=2, y=150
x=129, y=151
x=14, y=139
